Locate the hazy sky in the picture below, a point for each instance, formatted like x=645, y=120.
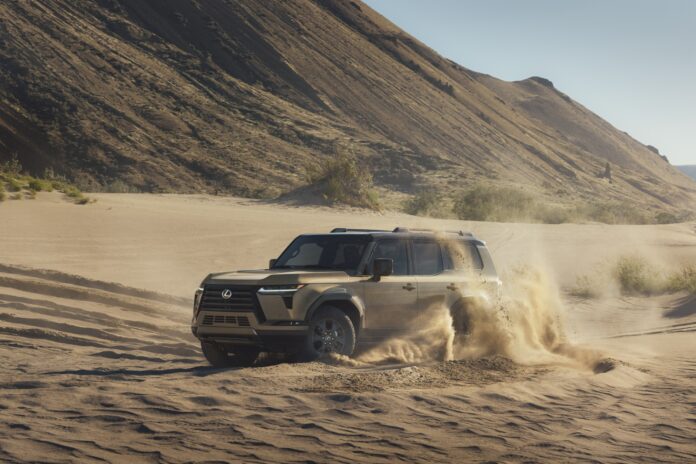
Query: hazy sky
x=633, y=62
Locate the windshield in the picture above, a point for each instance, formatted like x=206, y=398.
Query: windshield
x=335, y=252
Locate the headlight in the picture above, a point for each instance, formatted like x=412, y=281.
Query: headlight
x=197, y=297
x=281, y=290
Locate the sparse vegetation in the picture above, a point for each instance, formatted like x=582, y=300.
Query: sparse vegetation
x=427, y=202
x=24, y=186
x=508, y=204
x=488, y=203
x=39, y=185
x=611, y=212
x=634, y=275
x=343, y=180
x=585, y=287
x=683, y=280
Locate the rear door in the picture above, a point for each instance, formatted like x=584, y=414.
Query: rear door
x=428, y=266
x=394, y=299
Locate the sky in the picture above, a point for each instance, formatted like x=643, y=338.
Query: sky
x=633, y=62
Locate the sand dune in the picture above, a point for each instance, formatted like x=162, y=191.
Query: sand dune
x=100, y=365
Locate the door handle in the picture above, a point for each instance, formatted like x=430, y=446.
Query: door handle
x=409, y=287
x=452, y=287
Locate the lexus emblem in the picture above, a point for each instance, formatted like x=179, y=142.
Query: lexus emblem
x=226, y=294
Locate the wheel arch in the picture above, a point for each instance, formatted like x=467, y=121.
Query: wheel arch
x=347, y=303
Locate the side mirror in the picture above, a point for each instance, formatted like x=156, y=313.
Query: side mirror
x=271, y=263
x=382, y=267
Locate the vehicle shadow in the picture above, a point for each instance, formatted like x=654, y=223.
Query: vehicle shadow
x=685, y=308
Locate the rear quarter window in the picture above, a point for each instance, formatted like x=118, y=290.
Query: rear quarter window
x=461, y=255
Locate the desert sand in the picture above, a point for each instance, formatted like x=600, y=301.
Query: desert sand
x=100, y=365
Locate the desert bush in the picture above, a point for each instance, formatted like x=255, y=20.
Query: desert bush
x=12, y=167
x=586, y=287
x=39, y=185
x=666, y=218
x=683, y=280
x=426, y=202
x=30, y=194
x=15, y=185
x=3, y=195
x=343, y=180
x=488, y=203
x=612, y=212
x=636, y=277
x=554, y=214
x=118, y=186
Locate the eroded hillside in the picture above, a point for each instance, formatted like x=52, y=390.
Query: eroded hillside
x=241, y=96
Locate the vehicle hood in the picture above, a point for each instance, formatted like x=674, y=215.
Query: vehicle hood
x=276, y=277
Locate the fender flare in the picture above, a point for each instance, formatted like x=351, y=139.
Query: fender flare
x=343, y=297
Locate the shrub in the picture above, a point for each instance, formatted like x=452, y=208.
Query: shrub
x=636, y=277
x=427, y=202
x=683, y=280
x=487, y=203
x=39, y=185
x=72, y=192
x=344, y=180
x=118, y=186
x=611, y=212
x=554, y=215
x=12, y=167
x=585, y=287
x=3, y=195
x=666, y=218
x=15, y=185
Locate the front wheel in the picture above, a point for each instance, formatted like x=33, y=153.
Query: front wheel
x=330, y=331
x=218, y=356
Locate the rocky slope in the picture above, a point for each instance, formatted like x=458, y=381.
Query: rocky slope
x=241, y=96
x=689, y=170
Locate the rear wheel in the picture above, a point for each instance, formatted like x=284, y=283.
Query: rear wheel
x=218, y=356
x=330, y=331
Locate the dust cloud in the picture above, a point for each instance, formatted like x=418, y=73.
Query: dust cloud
x=524, y=325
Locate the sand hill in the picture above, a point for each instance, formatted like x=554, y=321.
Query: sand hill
x=241, y=96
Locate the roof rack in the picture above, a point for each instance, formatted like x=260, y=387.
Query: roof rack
x=458, y=232
x=344, y=229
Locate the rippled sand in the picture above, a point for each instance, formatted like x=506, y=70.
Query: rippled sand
x=99, y=364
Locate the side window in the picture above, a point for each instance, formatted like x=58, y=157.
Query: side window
x=461, y=255
x=397, y=251
x=427, y=257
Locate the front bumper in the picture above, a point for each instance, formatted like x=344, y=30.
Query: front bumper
x=243, y=328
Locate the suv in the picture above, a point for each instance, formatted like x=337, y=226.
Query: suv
x=329, y=293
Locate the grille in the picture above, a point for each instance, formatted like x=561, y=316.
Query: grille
x=242, y=299
x=240, y=321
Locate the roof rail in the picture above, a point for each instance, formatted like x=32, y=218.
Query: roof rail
x=458, y=232
x=344, y=229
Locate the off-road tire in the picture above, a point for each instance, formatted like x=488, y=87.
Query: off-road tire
x=217, y=356
x=330, y=331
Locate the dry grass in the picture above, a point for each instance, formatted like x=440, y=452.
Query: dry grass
x=634, y=275
x=342, y=180
x=499, y=204
x=683, y=280
x=428, y=202
x=24, y=186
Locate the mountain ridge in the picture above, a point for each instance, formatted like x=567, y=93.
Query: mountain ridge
x=243, y=96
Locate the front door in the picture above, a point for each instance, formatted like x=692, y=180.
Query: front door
x=393, y=300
